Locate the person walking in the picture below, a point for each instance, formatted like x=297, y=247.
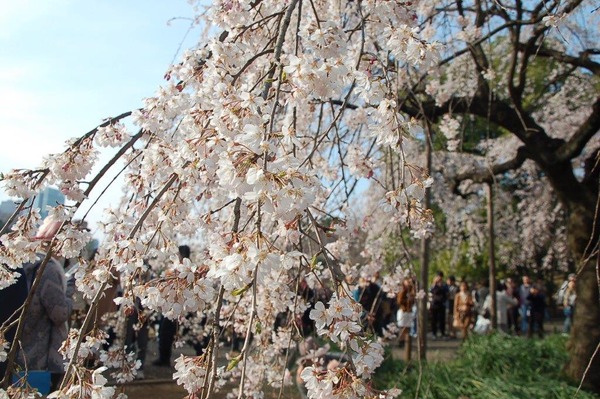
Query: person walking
x=569, y=298
x=439, y=297
x=537, y=309
x=524, y=304
x=463, y=310
x=369, y=295
x=513, y=310
x=483, y=291
x=405, y=300
x=452, y=290
x=503, y=303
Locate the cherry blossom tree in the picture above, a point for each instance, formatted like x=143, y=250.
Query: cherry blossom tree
x=526, y=70
x=529, y=219
x=254, y=146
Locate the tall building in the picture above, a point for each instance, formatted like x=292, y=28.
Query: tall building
x=6, y=210
x=50, y=196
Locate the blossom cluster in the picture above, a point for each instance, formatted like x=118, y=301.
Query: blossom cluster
x=112, y=135
x=123, y=363
x=90, y=346
x=190, y=373
x=4, y=347
x=89, y=384
x=340, y=322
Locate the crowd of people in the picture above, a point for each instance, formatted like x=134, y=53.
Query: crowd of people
x=455, y=310
x=520, y=309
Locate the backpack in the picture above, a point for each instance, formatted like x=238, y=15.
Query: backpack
x=15, y=295
x=559, y=297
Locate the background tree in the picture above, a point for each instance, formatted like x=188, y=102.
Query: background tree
x=528, y=69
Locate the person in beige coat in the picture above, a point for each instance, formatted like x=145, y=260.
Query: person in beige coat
x=463, y=310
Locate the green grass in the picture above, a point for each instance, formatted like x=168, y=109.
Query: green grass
x=488, y=367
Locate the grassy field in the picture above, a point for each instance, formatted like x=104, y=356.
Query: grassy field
x=488, y=367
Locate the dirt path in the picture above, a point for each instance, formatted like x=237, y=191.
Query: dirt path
x=159, y=384
x=438, y=350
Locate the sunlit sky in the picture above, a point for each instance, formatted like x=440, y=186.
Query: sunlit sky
x=65, y=65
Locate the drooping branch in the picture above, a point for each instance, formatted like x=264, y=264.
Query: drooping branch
x=107, y=122
x=112, y=161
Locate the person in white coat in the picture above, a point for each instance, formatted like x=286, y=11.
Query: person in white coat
x=503, y=303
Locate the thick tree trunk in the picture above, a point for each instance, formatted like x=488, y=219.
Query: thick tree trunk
x=582, y=365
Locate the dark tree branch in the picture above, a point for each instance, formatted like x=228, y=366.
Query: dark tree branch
x=107, y=122
x=487, y=175
x=580, y=138
x=582, y=61
x=516, y=92
x=499, y=112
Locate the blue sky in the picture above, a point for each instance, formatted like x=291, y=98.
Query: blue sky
x=66, y=64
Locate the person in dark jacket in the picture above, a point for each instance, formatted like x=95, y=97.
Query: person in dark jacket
x=439, y=297
x=537, y=309
x=369, y=295
x=11, y=299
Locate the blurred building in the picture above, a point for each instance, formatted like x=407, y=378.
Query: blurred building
x=6, y=210
x=49, y=197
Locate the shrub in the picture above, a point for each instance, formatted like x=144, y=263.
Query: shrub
x=488, y=367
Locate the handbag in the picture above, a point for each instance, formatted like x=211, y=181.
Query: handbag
x=456, y=322
x=487, y=314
